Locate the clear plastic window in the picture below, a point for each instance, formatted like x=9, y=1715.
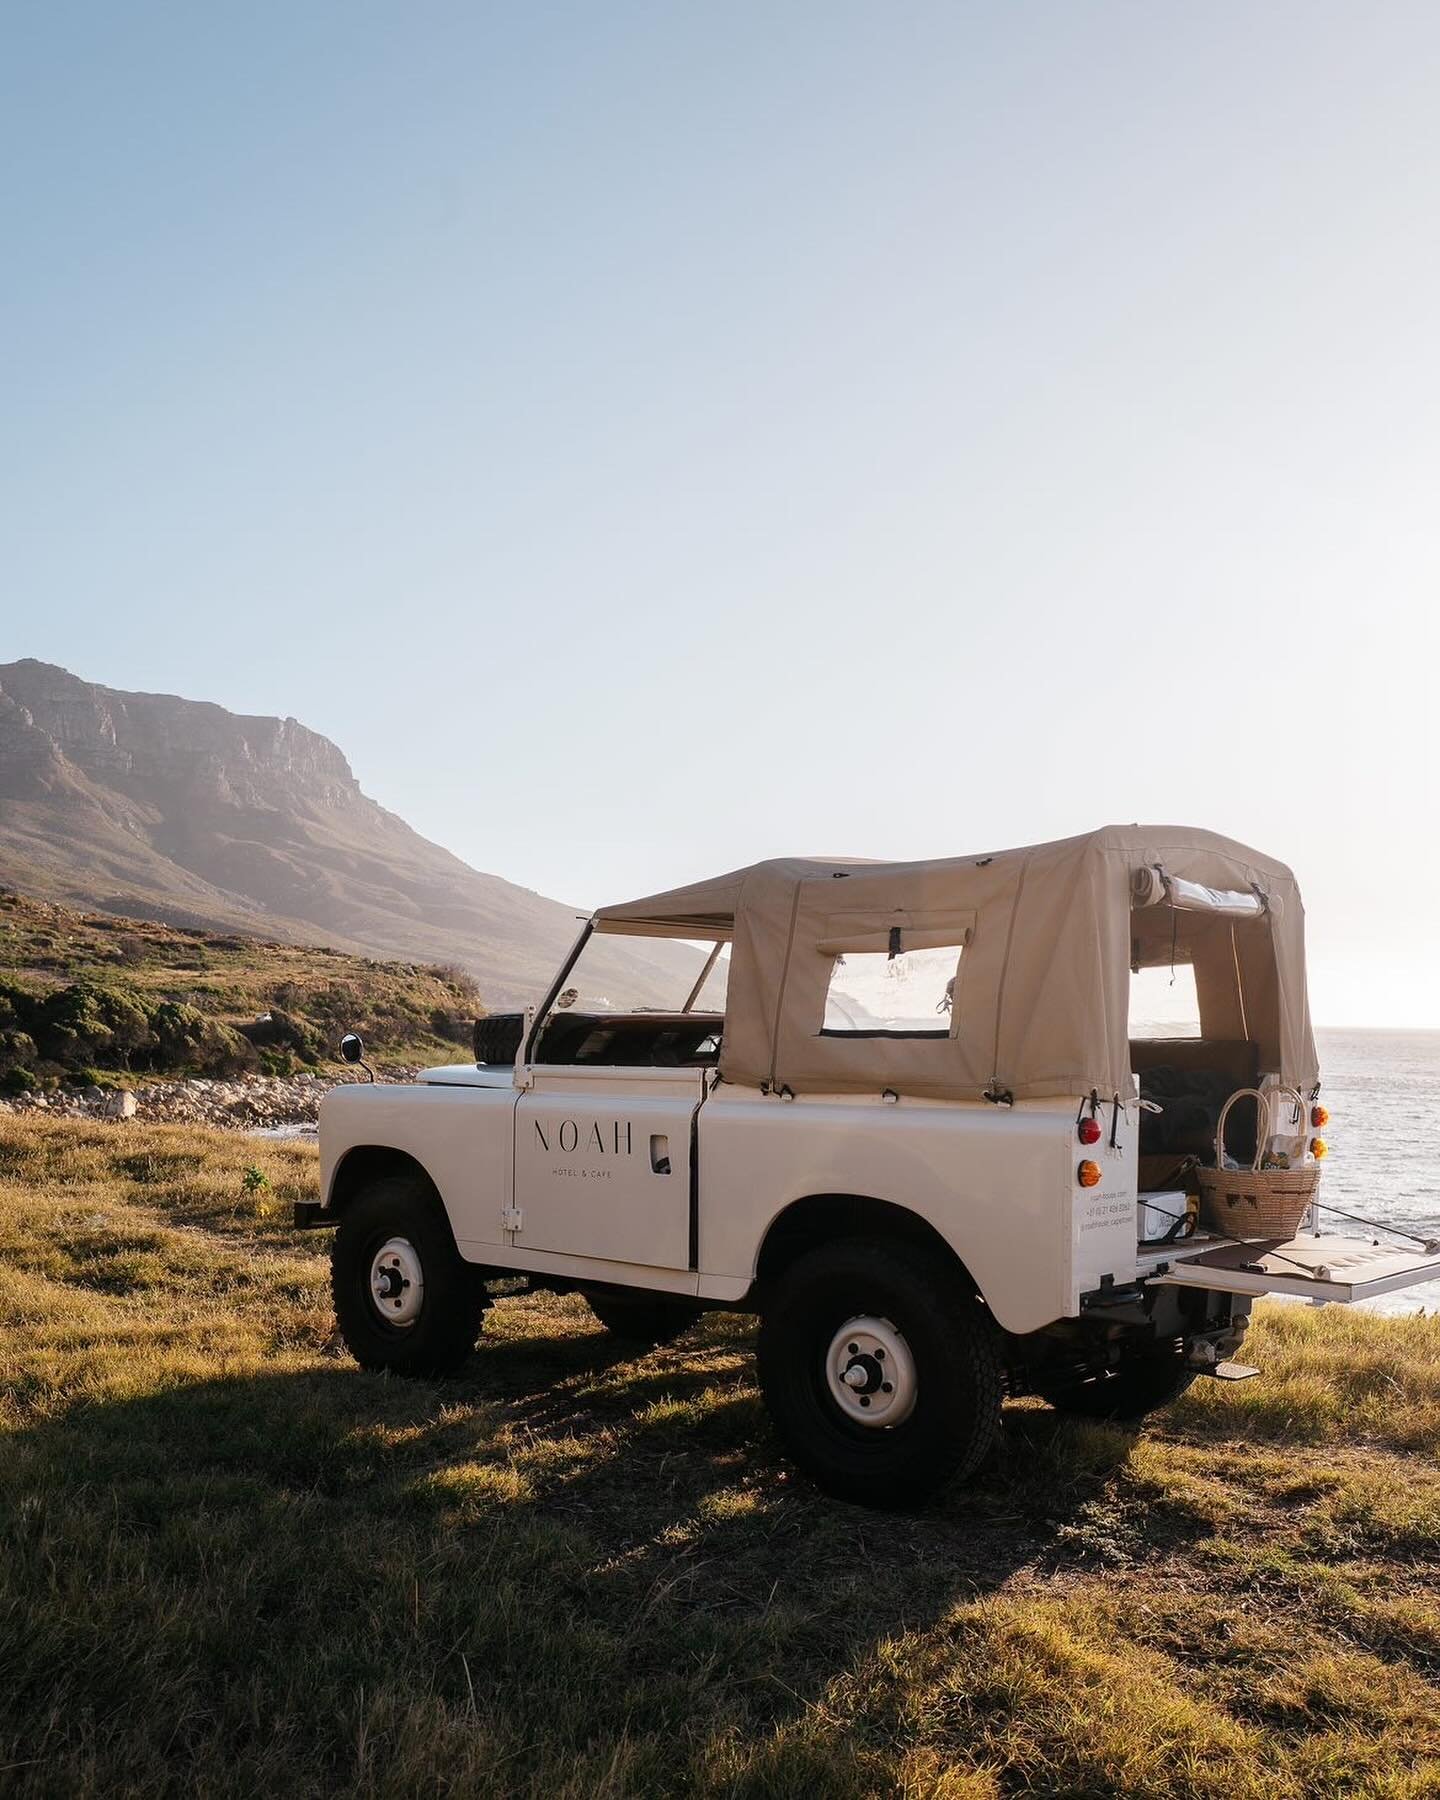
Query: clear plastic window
x=873, y=994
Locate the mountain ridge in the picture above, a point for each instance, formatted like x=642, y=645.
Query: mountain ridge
x=158, y=806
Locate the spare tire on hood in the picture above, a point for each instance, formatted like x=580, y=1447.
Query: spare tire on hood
x=497, y=1037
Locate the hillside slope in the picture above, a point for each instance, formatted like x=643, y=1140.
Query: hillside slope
x=86, y=992
x=152, y=806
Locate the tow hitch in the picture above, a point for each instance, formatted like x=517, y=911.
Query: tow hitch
x=1210, y=1355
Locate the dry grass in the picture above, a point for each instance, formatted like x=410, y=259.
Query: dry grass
x=234, y=1564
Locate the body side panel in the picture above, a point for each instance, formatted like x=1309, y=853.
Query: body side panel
x=463, y=1137
x=602, y=1164
x=997, y=1183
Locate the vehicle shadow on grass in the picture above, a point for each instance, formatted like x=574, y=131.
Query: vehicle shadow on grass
x=574, y=1543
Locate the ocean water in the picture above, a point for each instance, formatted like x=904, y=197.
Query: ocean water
x=1383, y=1092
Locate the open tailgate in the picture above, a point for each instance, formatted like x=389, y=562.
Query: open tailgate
x=1324, y=1268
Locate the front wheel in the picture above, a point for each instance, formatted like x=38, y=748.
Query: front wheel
x=881, y=1371
x=405, y=1298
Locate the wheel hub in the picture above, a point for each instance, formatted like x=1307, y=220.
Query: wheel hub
x=397, y=1282
x=870, y=1372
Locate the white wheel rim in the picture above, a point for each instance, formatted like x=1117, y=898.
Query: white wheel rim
x=397, y=1282
x=871, y=1373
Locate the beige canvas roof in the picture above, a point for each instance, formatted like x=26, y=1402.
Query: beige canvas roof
x=1050, y=934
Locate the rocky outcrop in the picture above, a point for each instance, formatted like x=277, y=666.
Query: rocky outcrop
x=254, y=1104
x=144, y=743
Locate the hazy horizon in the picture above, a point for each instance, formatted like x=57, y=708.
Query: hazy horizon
x=647, y=441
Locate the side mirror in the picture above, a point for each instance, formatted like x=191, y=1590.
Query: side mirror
x=352, y=1047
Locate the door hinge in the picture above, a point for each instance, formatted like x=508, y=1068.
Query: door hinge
x=510, y=1218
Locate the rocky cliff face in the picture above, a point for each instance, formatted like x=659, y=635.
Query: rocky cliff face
x=139, y=740
x=159, y=807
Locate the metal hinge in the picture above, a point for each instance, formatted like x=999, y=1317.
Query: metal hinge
x=510, y=1218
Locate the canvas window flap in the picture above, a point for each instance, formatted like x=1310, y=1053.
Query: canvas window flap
x=1194, y=896
x=871, y=932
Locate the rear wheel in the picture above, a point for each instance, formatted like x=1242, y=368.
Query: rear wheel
x=881, y=1371
x=643, y=1318
x=405, y=1298
x=1142, y=1383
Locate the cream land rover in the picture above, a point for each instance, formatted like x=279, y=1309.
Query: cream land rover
x=894, y=1110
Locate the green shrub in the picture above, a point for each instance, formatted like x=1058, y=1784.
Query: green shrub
x=86, y=1024
x=186, y=1038
x=17, y=1050
x=452, y=1027
x=461, y=983
x=280, y=1030
x=17, y=1081
x=338, y=1007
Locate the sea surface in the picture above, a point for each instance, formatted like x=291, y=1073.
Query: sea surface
x=1383, y=1092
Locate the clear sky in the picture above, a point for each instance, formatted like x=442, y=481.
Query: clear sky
x=652, y=437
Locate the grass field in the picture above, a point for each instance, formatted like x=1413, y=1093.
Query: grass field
x=234, y=1565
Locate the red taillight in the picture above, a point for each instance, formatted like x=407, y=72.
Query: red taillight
x=1089, y=1131
x=1319, y=1118
x=1088, y=1174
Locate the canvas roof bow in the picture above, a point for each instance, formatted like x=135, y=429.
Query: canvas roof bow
x=1050, y=934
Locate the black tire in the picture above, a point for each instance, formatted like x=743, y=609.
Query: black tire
x=958, y=1375
x=442, y=1333
x=497, y=1038
x=643, y=1319
x=1141, y=1384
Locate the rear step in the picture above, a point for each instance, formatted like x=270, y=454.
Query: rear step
x=1230, y=1371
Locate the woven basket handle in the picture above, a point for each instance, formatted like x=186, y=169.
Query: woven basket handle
x=1262, y=1123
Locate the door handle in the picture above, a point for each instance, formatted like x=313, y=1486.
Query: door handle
x=659, y=1154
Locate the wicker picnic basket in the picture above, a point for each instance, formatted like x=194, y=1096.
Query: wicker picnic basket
x=1255, y=1202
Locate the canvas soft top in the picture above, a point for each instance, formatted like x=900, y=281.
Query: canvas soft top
x=1050, y=934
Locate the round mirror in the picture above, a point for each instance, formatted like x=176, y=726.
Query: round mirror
x=352, y=1047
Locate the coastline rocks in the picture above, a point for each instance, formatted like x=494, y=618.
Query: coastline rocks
x=246, y=1103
